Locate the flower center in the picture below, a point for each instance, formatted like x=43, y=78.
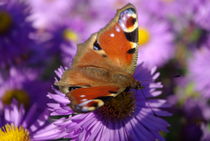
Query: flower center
x=5, y=22
x=118, y=108
x=144, y=36
x=70, y=35
x=20, y=95
x=13, y=133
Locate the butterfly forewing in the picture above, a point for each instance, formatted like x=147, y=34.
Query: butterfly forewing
x=119, y=39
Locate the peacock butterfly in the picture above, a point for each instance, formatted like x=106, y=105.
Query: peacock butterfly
x=104, y=64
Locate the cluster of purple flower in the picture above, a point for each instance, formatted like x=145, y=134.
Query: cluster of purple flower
x=39, y=36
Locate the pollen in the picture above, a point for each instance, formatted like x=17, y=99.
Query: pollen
x=13, y=133
x=144, y=36
x=70, y=35
x=118, y=108
x=20, y=95
x=6, y=22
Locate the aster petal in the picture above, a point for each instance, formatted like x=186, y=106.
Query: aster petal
x=98, y=133
x=59, y=98
x=153, y=70
x=27, y=121
x=42, y=119
x=20, y=115
x=61, y=112
x=122, y=132
x=152, y=122
x=7, y=114
x=13, y=115
x=134, y=135
x=157, y=103
x=103, y=133
x=81, y=117
x=95, y=131
x=159, y=112
x=53, y=106
x=60, y=71
x=89, y=122
x=111, y=132
x=155, y=85
x=155, y=93
x=155, y=76
x=50, y=132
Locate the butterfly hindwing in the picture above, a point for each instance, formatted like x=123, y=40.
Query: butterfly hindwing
x=89, y=99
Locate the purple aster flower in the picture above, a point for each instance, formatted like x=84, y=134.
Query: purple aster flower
x=81, y=20
x=191, y=110
x=67, y=53
x=198, y=66
x=180, y=12
x=193, y=105
x=49, y=14
x=59, y=42
x=129, y=116
x=169, y=8
x=23, y=85
x=197, y=109
x=15, y=44
x=156, y=41
x=202, y=13
x=17, y=124
x=206, y=132
x=89, y=16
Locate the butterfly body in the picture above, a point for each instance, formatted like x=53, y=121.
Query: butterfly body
x=104, y=64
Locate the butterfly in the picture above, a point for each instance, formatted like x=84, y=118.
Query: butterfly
x=103, y=66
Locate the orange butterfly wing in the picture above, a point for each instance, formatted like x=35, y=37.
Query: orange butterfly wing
x=89, y=99
x=104, y=64
x=119, y=39
x=116, y=44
